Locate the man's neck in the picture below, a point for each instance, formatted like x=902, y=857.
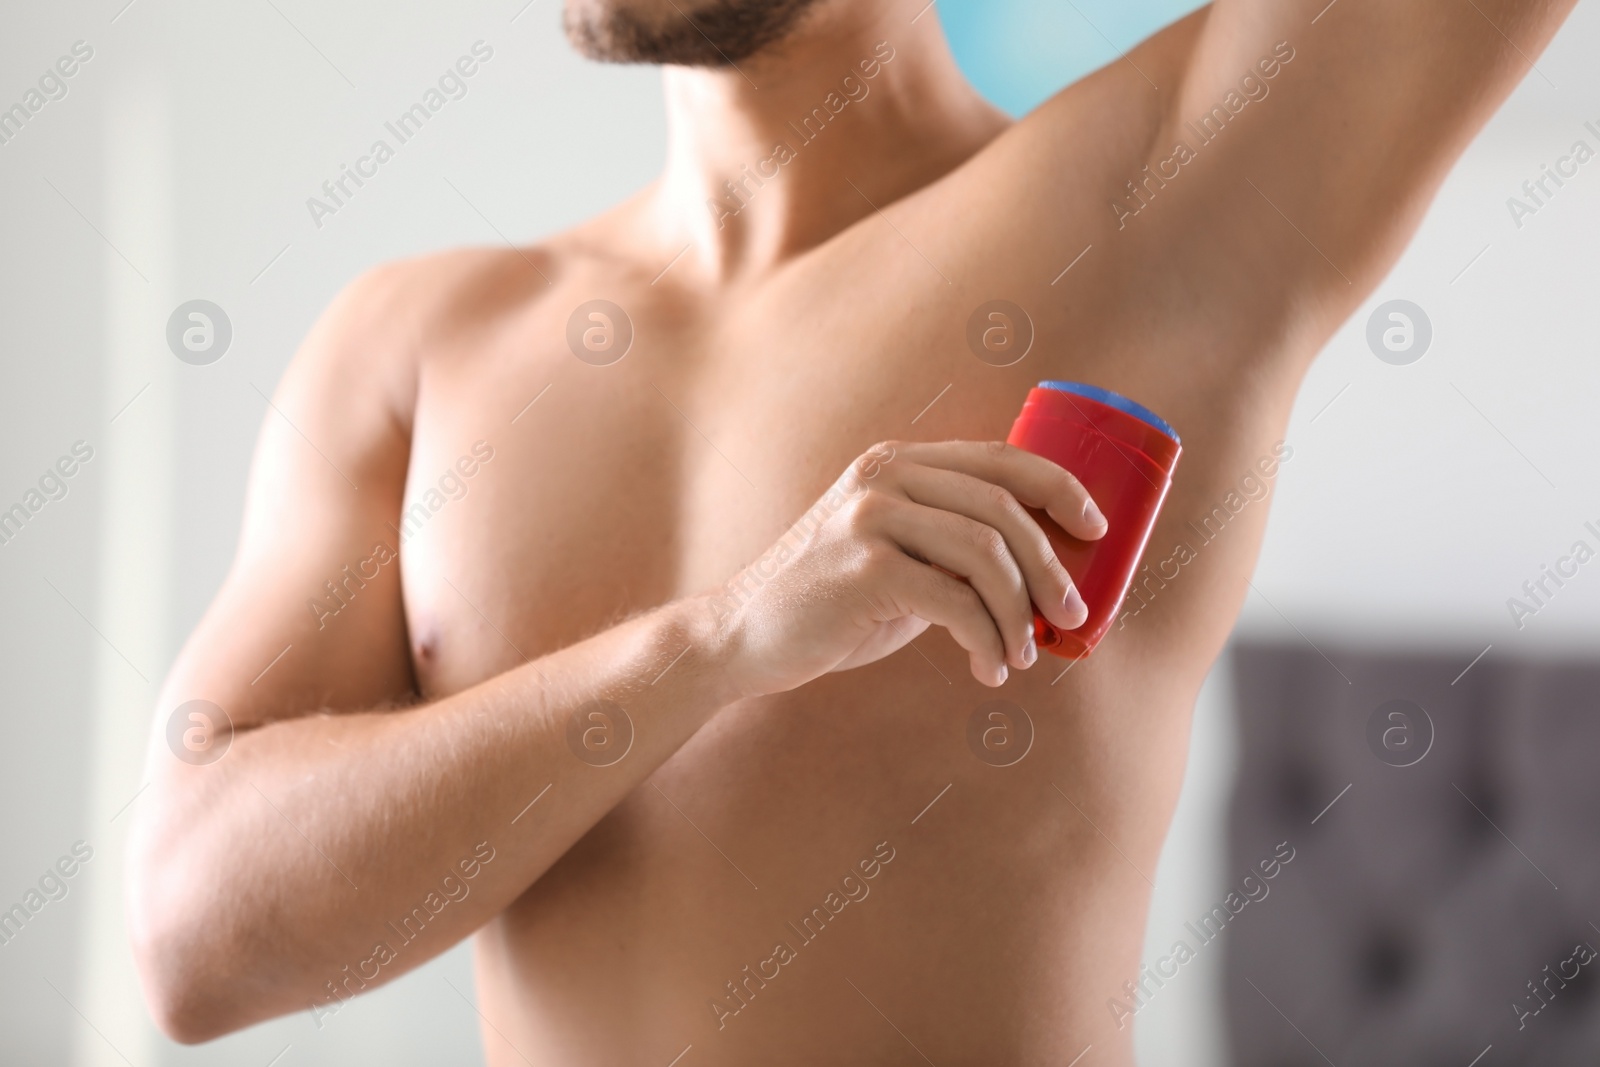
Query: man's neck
x=761, y=158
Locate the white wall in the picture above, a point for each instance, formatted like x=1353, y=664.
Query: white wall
x=177, y=167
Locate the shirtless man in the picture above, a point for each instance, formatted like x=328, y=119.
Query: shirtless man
x=677, y=815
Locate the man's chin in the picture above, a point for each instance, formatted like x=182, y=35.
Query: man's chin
x=711, y=33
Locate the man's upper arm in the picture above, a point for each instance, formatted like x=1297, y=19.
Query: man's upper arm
x=1368, y=105
x=1239, y=182
x=310, y=616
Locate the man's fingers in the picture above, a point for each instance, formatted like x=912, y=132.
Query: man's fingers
x=979, y=553
x=919, y=589
x=1033, y=480
x=1049, y=585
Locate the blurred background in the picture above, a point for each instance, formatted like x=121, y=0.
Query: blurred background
x=1432, y=882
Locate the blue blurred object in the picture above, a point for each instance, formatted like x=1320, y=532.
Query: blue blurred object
x=1019, y=52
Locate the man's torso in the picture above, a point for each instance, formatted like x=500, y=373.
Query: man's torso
x=1012, y=908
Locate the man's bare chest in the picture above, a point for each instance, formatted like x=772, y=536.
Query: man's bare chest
x=601, y=486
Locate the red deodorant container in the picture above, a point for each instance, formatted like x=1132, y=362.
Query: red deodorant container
x=1124, y=455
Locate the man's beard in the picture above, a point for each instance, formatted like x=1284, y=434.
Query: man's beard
x=722, y=32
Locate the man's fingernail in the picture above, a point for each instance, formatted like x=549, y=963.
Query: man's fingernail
x=1074, y=602
x=1091, y=514
x=1030, y=652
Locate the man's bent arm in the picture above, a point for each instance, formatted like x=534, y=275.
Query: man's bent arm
x=331, y=853
x=341, y=806
x=341, y=840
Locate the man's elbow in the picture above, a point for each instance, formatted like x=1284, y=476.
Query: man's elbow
x=175, y=941
x=181, y=1012
x=187, y=1003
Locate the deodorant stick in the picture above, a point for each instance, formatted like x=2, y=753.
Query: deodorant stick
x=1124, y=454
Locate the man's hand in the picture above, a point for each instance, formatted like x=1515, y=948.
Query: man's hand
x=913, y=535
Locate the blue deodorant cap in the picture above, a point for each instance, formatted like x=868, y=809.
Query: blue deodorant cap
x=1115, y=400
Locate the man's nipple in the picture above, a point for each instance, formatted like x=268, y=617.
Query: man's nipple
x=425, y=645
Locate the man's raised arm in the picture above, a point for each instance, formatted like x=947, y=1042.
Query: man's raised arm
x=1340, y=120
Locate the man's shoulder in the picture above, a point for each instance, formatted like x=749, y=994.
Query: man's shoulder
x=394, y=314
x=441, y=292
x=369, y=345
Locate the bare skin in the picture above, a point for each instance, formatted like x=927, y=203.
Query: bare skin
x=795, y=739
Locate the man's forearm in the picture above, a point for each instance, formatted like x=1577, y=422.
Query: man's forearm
x=275, y=879
x=283, y=874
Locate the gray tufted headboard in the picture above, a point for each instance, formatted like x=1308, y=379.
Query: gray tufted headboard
x=1443, y=903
